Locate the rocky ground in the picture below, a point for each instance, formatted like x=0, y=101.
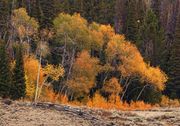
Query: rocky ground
x=46, y=114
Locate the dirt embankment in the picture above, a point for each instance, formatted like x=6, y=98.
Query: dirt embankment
x=46, y=114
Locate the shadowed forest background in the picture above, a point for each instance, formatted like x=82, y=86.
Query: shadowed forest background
x=100, y=53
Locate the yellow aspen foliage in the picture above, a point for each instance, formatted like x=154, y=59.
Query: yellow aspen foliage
x=49, y=95
x=100, y=34
x=63, y=99
x=96, y=39
x=24, y=27
x=113, y=47
x=139, y=105
x=79, y=33
x=112, y=87
x=84, y=73
x=166, y=102
x=107, y=31
x=114, y=103
x=133, y=64
x=53, y=71
x=97, y=102
x=23, y=23
x=30, y=88
x=74, y=28
x=155, y=76
x=31, y=71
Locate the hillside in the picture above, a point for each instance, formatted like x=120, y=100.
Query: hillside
x=89, y=62
x=46, y=114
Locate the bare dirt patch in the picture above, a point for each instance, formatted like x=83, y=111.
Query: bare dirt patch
x=46, y=114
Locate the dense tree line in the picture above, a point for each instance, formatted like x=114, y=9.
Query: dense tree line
x=152, y=26
x=148, y=24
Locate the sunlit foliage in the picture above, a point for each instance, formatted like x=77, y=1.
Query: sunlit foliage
x=53, y=72
x=84, y=73
x=24, y=29
x=31, y=71
x=99, y=102
x=167, y=102
x=114, y=52
x=74, y=28
x=112, y=87
x=23, y=24
x=132, y=63
x=94, y=65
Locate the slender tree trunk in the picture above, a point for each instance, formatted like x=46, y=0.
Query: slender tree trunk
x=126, y=87
x=28, y=51
x=71, y=64
x=141, y=92
x=40, y=89
x=121, y=78
x=64, y=51
x=38, y=76
x=71, y=96
x=105, y=77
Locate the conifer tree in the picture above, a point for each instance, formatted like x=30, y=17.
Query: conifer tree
x=151, y=43
x=4, y=12
x=131, y=26
x=5, y=82
x=173, y=86
x=19, y=86
x=47, y=9
x=155, y=5
x=152, y=38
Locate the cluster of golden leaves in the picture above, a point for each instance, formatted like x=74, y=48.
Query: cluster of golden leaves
x=166, y=102
x=112, y=87
x=31, y=65
x=114, y=103
x=23, y=23
x=53, y=71
x=31, y=71
x=84, y=73
x=77, y=32
x=80, y=33
x=133, y=64
x=95, y=36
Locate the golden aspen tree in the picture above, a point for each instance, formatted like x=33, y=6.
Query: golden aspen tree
x=53, y=72
x=31, y=67
x=84, y=74
x=112, y=87
x=133, y=65
x=25, y=27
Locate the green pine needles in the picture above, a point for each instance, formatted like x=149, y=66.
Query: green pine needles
x=5, y=76
x=19, y=86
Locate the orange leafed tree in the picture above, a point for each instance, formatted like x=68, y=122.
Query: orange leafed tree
x=112, y=87
x=31, y=67
x=132, y=64
x=84, y=74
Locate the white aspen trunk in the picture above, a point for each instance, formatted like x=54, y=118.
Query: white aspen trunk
x=71, y=65
x=141, y=92
x=38, y=76
x=40, y=89
x=126, y=87
x=37, y=83
x=64, y=51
